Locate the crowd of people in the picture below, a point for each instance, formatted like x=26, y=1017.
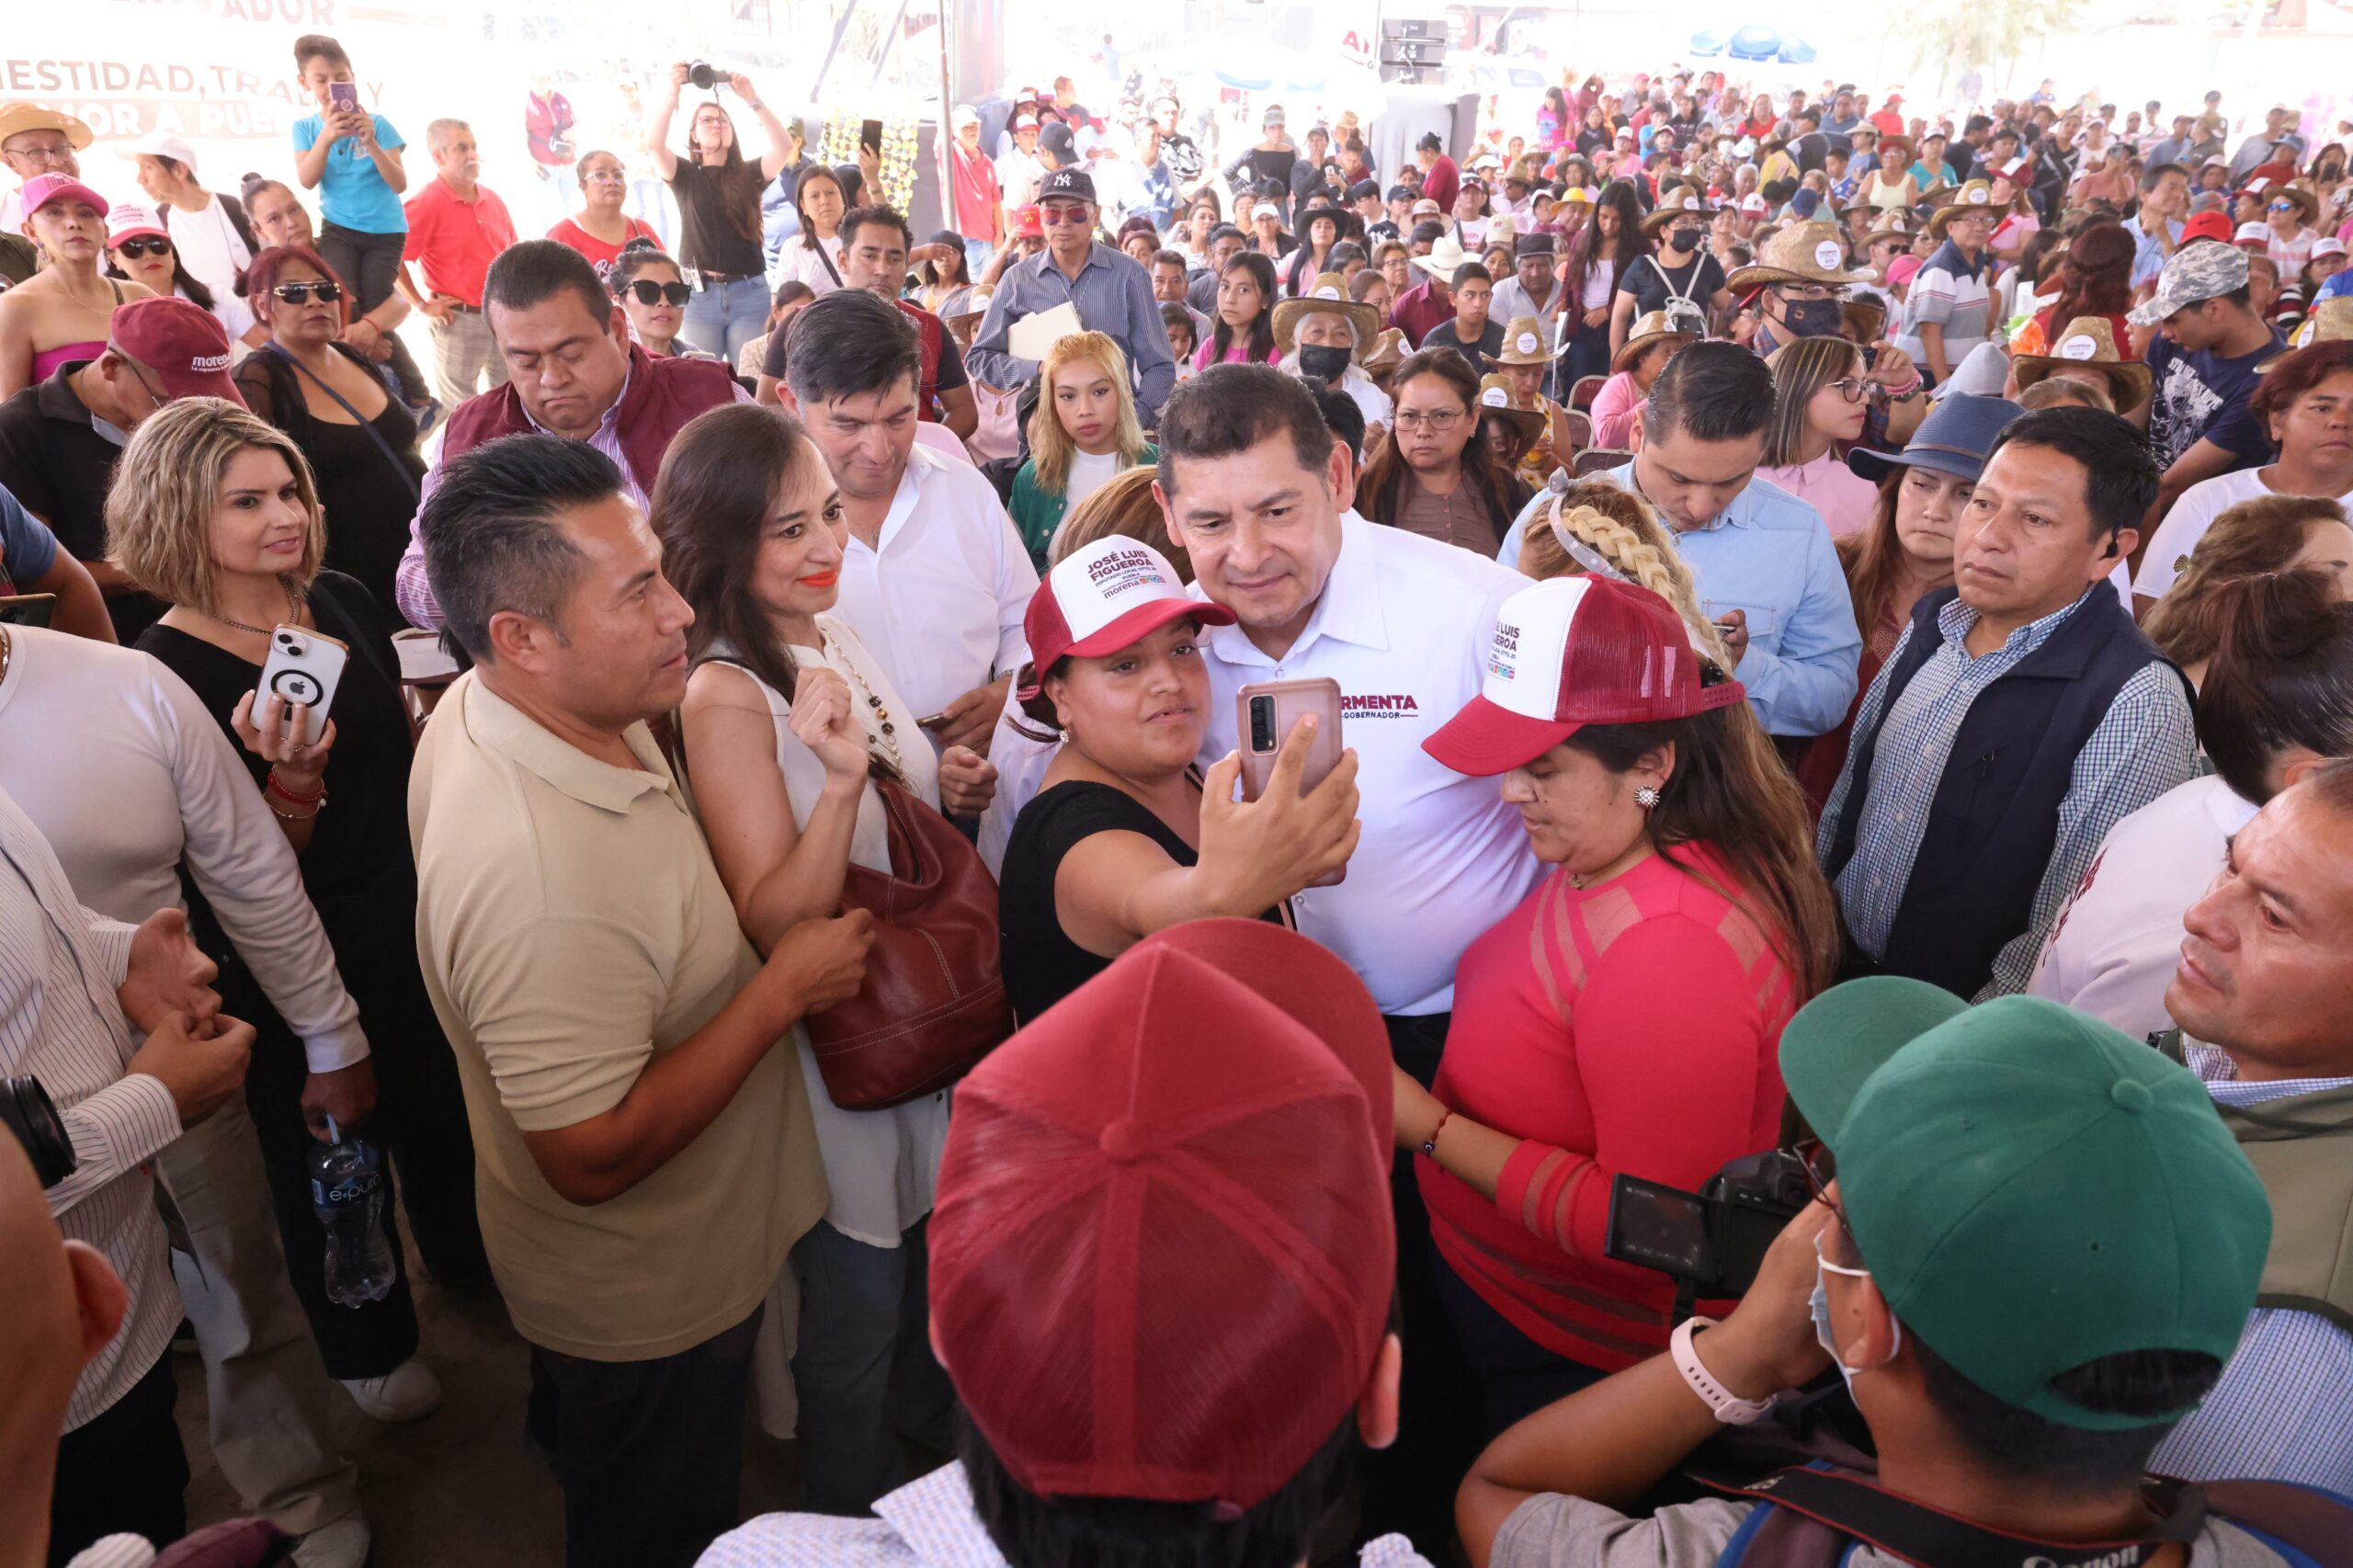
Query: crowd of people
x=1631, y=844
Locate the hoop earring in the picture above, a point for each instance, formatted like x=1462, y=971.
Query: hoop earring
x=1646, y=797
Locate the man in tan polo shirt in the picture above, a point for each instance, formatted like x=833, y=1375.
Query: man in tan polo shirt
x=645, y=1152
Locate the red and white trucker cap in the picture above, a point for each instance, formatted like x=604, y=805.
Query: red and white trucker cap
x=1570, y=652
x=1105, y=596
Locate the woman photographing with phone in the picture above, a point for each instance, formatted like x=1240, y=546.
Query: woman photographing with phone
x=1624, y=1018
x=1123, y=837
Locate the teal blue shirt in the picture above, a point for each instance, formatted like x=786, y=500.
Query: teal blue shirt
x=352, y=194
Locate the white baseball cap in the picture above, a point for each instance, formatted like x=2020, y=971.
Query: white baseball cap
x=156, y=144
x=2256, y=230
x=1105, y=596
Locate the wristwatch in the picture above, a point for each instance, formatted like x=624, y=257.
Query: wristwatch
x=1730, y=1409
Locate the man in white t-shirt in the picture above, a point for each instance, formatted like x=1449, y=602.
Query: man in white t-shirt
x=209, y=231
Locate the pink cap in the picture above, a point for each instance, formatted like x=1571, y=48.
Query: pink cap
x=127, y=220
x=42, y=189
x=1105, y=596
x=1902, y=269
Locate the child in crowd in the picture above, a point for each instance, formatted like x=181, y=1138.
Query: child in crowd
x=1182, y=339
x=1084, y=432
x=352, y=158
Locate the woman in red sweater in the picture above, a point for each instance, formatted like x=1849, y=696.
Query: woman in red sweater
x=1626, y=1016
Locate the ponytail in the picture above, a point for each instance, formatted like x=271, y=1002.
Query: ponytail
x=2281, y=676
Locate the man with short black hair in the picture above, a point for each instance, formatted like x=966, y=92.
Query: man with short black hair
x=1169, y=287
x=570, y=369
x=1807, y=143
x=875, y=240
x=2210, y=340
x=2021, y=716
x=1763, y=561
x=2038, y=1248
x=2155, y=227
x=1534, y=287
x=934, y=577
x=1108, y=291
x=1226, y=242
x=1472, y=330
x=644, y=1146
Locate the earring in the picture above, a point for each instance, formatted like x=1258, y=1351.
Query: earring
x=1646, y=797
x=1065, y=734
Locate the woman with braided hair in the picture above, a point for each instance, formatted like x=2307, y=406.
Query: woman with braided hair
x=1625, y=1018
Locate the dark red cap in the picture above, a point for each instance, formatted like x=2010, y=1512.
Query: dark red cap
x=1162, y=1256
x=182, y=344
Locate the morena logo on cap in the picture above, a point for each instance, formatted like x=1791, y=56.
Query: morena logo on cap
x=1826, y=254
x=2079, y=347
x=1525, y=343
x=205, y=364
x=1493, y=398
x=1327, y=292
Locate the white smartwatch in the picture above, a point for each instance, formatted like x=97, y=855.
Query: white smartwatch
x=1728, y=1408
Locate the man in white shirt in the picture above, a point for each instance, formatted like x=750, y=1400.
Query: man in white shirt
x=935, y=580
x=1019, y=169
x=211, y=232
x=74, y=987
x=1256, y=490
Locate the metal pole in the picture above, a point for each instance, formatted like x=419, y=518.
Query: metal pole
x=946, y=133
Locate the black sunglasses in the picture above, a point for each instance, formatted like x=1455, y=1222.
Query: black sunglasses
x=328, y=292
x=145, y=244
x=649, y=292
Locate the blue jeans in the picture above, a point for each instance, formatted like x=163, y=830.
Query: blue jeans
x=721, y=318
x=864, y=1369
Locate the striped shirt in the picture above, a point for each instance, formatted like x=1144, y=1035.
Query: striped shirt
x=2284, y=1408
x=2142, y=748
x=60, y=967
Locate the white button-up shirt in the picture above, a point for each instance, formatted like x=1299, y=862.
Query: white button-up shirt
x=1403, y=625
x=939, y=598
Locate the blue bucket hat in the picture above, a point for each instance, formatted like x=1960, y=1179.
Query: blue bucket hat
x=1954, y=438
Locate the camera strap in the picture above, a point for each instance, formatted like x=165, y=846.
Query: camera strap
x=1790, y=1533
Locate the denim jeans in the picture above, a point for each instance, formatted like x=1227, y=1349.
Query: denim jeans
x=864, y=1369
x=721, y=318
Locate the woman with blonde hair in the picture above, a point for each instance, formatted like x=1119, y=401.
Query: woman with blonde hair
x=1821, y=400
x=1084, y=432
x=215, y=511
x=2254, y=539
x=1591, y=524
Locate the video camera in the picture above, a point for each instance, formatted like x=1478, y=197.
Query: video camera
x=27, y=1111
x=1712, y=1241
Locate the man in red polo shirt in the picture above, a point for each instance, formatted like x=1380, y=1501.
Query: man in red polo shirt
x=874, y=257
x=980, y=200
x=456, y=229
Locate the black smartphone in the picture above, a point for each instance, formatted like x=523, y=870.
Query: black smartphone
x=27, y=609
x=870, y=135
x=1659, y=1227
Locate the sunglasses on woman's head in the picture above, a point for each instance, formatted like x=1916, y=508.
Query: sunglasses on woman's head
x=649, y=292
x=301, y=293
x=145, y=244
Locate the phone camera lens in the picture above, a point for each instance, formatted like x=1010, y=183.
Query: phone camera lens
x=1262, y=723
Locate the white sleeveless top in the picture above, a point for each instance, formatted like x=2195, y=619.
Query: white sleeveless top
x=882, y=1165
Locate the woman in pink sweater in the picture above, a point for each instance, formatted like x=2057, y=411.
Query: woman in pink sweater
x=1625, y=1018
x=1650, y=344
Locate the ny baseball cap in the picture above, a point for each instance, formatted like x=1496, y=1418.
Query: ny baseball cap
x=1070, y=185
x=180, y=342
x=2030, y=1187
x=1105, y=596
x=1570, y=652
x=1162, y=1256
x=127, y=220
x=2211, y=224
x=2192, y=274
x=160, y=144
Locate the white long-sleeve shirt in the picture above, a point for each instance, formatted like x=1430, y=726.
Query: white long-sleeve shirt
x=127, y=775
x=60, y=967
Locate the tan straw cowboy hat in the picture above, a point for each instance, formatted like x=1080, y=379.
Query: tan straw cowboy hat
x=1524, y=344
x=1976, y=196
x=1328, y=294
x=1495, y=397
x=1811, y=252
x=2089, y=341
x=1653, y=327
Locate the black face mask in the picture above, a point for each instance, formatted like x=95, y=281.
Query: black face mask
x=1323, y=361
x=1813, y=318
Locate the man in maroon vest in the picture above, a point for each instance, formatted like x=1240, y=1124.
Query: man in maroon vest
x=570, y=371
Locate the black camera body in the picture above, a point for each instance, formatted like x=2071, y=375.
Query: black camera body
x=27, y=1111
x=704, y=75
x=1714, y=1240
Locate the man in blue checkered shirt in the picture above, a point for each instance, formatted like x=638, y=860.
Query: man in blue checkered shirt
x=2021, y=714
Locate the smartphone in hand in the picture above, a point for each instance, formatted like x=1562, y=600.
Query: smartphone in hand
x=1265, y=713
x=302, y=667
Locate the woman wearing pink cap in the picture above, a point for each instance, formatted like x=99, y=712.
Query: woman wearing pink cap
x=1124, y=837
x=59, y=315
x=1624, y=1018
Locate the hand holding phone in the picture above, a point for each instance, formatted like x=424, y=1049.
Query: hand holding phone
x=298, y=682
x=1270, y=845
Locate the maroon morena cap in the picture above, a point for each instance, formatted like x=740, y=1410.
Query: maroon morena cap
x=1162, y=1256
x=183, y=344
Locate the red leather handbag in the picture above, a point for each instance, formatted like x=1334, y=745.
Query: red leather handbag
x=934, y=1000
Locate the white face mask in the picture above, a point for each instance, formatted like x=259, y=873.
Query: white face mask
x=1819, y=1304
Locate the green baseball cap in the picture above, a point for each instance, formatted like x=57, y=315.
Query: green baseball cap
x=2031, y=1188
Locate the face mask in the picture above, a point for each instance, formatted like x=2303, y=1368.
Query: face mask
x=1813, y=318
x=1323, y=361
x=1819, y=1305
x=1687, y=237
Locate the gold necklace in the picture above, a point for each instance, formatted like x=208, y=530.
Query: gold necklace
x=293, y=613
x=7, y=653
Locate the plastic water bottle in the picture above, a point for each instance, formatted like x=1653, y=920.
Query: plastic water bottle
x=348, y=1194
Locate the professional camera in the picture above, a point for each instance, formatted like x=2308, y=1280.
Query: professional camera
x=1712, y=1241
x=27, y=1111
x=704, y=75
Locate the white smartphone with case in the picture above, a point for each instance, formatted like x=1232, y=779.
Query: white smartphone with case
x=302, y=667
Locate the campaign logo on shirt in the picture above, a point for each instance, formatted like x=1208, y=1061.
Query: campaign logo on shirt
x=1378, y=705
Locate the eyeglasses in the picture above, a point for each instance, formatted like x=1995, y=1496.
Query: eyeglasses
x=1438, y=423
x=649, y=292
x=615, y=176
x=1054, y=217
x=145, y=244
x=1854, y=389
x=328, y=292
x=2283, y=207
x=48, y=156
x=1807, y=292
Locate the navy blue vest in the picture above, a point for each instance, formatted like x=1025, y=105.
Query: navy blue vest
x=1995, y=818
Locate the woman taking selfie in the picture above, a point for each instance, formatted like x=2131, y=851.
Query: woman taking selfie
x=600, y=230
x=1084, y=433
x=58, y=314
x=1625, y=1018
x=215, y=513
x=1821, y=398
x=1433, y=476
x=1244, y=329
x=1124, y=837
x=655, y=298
x=753, y=530
x=359, y=440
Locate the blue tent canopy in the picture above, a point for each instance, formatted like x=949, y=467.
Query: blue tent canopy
x=1754, y=43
